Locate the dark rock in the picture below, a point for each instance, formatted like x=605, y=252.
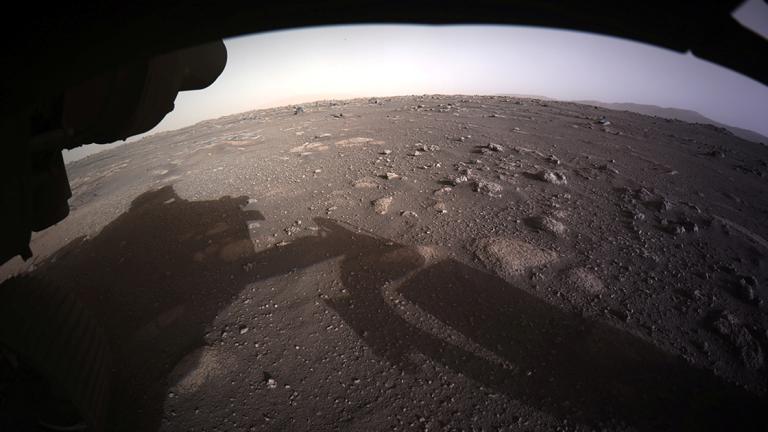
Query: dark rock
x=736, y=334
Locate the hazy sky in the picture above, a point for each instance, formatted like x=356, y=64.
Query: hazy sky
x=286, y=67
x=301, y=65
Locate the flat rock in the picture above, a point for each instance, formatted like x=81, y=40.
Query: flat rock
x=547, y=224
x=586, y=281
x=511, y=257
x=365, y=183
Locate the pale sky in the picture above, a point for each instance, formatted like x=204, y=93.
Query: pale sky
x=293, y=66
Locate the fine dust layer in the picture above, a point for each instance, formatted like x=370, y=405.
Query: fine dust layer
x=425, y=263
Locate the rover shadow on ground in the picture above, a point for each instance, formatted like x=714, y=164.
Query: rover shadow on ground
x=159, y=274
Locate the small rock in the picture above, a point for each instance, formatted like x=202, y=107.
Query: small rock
x=365, y=182
x=553, y=160
x=643, y=194
x=619, y=313
x=391, y=176
x=459, y=180
x=429, y=148
x=733, y=331
x=548, y=224
x=495, y=147
x=745, y=289
x=339, y=115
x=415, y=153
x=298, y=110
x=586, y=281
x=385, y=152
x=243, y=329
x=318, y=171
x=488, y=188
x=553, y=177
x=409, y=214
x=381, y=205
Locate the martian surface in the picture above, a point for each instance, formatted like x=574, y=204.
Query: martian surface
x=425, y=263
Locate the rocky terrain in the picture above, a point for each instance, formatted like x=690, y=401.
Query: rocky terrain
x=425, y=263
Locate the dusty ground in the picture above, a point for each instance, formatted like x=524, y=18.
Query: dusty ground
x=435, y=263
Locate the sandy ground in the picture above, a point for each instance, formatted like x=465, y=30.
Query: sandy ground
x=425, y=263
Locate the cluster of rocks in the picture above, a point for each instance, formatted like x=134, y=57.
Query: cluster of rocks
x=487, y=188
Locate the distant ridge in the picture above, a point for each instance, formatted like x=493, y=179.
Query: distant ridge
x=689, y=116
x=678, y=114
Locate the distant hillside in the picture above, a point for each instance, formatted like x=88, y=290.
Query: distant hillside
x=525, y=96
x=679, y=114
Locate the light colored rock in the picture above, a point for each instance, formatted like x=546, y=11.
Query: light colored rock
x=586, y=281
x=365, y=183
x=459, y=180
x=547, y=224
x=510, y=257
x=381, y=205
x=553, y=177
